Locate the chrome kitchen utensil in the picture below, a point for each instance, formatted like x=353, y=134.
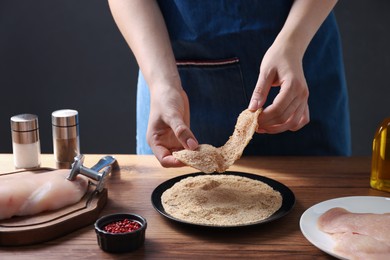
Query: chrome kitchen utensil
x=98, y=172
x=25, y=141
x=66, y=139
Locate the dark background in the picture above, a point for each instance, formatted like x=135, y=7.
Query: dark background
x=69, y=54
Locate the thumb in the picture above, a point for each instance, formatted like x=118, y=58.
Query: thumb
x=260, y=93
x=184, y=134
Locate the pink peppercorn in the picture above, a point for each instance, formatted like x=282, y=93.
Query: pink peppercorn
x=122, y=226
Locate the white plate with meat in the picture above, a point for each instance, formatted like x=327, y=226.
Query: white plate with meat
x=356, y=204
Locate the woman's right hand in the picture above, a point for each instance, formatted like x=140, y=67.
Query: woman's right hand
x=142, y=25
x=168, y=127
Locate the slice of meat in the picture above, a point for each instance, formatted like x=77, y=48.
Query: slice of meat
x=340, y=220
x=206, y=158
x=245, y=128
x=356, y=246
x=209, y=159
x=357, y=235
x=31, y=193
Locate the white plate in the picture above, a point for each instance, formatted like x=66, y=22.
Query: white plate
x=356, y=204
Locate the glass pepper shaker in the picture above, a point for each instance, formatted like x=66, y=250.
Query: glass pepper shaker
x=380, y=167
x=25, y=141
x=66, y=141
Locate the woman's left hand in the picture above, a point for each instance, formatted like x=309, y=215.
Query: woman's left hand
x=281, y=66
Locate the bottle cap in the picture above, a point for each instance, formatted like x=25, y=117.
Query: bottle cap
x=65, y=117
x=24, y=122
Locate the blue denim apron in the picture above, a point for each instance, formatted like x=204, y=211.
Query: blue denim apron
x=219, y=46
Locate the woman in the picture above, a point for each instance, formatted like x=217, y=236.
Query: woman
x=205, y=61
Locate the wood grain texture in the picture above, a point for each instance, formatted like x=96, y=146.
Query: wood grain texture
x=312, y=179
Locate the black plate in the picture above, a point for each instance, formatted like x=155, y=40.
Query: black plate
x=287, y=194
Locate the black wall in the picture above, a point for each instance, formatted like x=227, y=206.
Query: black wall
x=69, y=54
x=365, y=30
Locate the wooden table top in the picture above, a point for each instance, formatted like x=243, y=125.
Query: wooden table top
x=312, y=179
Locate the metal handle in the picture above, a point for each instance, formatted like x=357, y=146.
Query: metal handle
x=103, y=163
x=93, y=172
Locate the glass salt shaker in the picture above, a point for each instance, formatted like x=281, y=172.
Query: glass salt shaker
x=66, y=140
x=380, y=165
x=25, y=141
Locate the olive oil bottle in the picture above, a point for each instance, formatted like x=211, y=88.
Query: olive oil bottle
x=380, y=168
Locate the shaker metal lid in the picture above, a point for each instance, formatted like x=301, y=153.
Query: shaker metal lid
x=65, y=117
x=24, y=122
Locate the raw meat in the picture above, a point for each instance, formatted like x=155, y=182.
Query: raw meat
x=358, y=235
x=29, y=193
x=356, y=246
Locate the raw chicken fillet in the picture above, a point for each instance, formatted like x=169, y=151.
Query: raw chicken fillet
x=30, y=193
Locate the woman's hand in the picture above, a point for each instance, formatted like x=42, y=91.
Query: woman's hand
x=168, y=128
x=143, y=27
x=281, y=66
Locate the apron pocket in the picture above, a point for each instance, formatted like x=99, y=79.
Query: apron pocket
x=217, y=96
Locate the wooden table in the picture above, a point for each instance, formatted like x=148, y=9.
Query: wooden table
x=312, y=179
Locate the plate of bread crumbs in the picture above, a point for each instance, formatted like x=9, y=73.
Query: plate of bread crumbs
x=229, y=199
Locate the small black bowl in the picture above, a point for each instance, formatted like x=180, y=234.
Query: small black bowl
x=120, y=242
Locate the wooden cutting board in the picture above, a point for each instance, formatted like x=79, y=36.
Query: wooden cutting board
x=48, y=225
